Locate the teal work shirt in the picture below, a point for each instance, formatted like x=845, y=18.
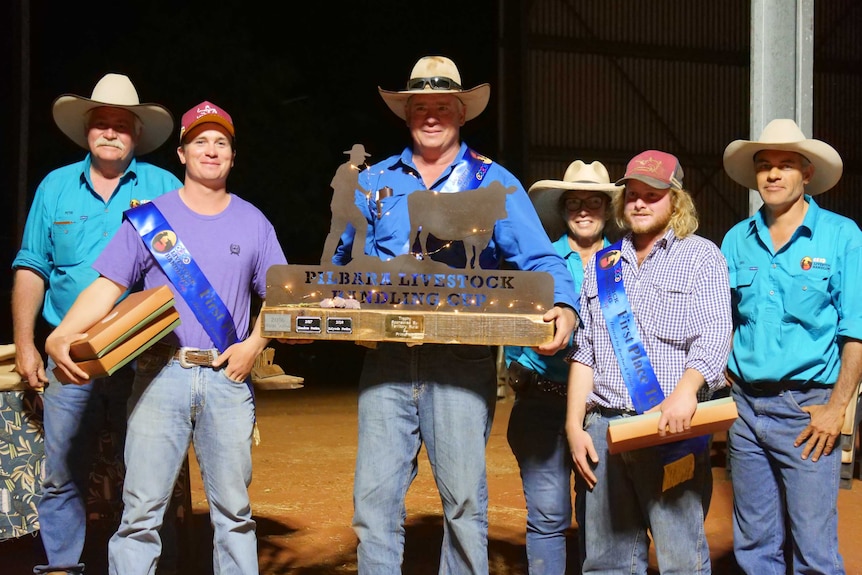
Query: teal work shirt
x=792, y=307
x=69, y=224
x=554, y=367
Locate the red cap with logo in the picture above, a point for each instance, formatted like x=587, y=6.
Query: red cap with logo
x=203, y=113
x=657, y=169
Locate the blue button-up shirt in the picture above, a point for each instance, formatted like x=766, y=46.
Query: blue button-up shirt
x=69, y=224
x=518, y=238
x=791, y=307
x=554, y=367
x=680, y=298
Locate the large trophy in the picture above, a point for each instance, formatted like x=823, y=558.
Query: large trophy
x=410, y=298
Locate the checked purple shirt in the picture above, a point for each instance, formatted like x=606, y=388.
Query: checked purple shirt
x=680, y=297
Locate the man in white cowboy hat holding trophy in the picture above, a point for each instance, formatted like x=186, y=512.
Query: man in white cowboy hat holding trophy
x=574, y=213
x=796, y=276
x=75, y=212
x=442, y=395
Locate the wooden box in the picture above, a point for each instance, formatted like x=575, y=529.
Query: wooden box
x=124, y=320
x=627, y=433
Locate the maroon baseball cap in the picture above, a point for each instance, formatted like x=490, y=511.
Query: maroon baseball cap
x=657, y=169
x=203, y=113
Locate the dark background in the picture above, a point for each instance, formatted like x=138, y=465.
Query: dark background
x=299, y=79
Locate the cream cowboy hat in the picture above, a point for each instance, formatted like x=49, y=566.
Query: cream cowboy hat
x=784, y=134
x=437, y=75
x=116, y=91
x=545, y=194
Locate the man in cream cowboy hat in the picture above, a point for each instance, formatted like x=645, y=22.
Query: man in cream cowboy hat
x=442, y=395
x=574, y=213
x=75, y=212
x=795, y=274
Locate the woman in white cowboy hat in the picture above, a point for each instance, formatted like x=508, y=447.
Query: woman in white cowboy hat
x=75, y=212
x=574, y=213
x=796, y=362
x=442, y=395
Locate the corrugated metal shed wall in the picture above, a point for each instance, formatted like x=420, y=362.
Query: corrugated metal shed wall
x=606, y=79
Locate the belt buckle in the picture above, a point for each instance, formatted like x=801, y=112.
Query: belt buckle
x=757, y=388
x=189, y=358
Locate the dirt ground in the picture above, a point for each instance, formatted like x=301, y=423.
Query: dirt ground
x=302, y=488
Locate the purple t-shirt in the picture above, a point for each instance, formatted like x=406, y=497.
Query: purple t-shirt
x=233, y=249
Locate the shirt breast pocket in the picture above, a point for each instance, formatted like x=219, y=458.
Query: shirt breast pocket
x=806, y=297
x=393, y=211
x=67, y=243
x=744, y=296
x=671, y=305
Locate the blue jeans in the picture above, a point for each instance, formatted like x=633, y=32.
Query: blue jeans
x=170, y=407
x=444, y=395
x=627, y=506
x=537, y=437
x=773, y=487
x=73, y=418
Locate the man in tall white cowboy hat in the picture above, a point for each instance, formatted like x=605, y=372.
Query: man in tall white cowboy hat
x=795, y=275
x=574, y=213
x=442, y=395
x=75, y=212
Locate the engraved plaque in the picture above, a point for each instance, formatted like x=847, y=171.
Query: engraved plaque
x=404, y=326
x=343, y=325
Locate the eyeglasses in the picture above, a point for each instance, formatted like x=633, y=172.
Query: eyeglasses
x=591, y=203
x=436, y=83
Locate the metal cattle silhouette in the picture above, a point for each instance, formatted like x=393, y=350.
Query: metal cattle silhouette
x=468, y=216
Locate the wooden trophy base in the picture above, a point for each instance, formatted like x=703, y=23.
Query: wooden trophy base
x=406, y=300
x=286, y=322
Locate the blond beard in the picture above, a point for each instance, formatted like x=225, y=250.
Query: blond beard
x=655, y=226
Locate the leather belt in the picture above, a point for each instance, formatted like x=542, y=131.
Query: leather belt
x=525, y=380
x=612, y=412
x=188, y=357
x=772, y=388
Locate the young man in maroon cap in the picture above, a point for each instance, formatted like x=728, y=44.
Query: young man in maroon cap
x=194, y=385
x=656, y=330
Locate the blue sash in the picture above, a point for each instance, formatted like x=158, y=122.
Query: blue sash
x=468, y=174
x=184, y=273
x=636, y=368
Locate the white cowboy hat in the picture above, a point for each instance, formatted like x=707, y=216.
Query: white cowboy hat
x=116, y=91
x=785, y=135
x=437, y=75
x=545, y=194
